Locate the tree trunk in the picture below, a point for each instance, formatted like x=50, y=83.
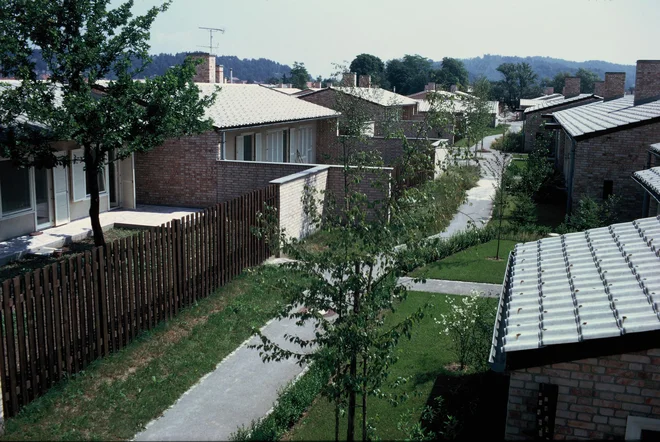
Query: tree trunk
x=352, y=394
x=92, y=163
x=364, y=397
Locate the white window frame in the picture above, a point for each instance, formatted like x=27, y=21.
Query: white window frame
x=254, y=145
x=279, y=144
x=306, y=152
x=22, y=212
x=636, y=424
x=79, y=153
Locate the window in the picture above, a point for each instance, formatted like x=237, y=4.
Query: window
x=81, y=189
x=608, y=189
x=14, y=189
x=642, y=428
x=100, y=177
x=276, y=146
x=302, y=145
x=244, y=147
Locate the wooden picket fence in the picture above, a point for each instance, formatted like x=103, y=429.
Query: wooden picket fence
x=58, y=319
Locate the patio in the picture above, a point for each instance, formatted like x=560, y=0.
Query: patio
x=142, y=217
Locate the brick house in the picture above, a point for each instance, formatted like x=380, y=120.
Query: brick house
x=578, y=331
x=600, y=145
x=276, y=134
x=534, y=116
x=649, y=180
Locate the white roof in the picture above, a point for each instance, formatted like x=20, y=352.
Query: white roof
x=238, y=105
x=600, y=283
x=378, y=96
x=546, y=104
x=649, y=179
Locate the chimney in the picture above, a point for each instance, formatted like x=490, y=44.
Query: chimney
x=329, y=83
x=348, y=79
x=316, y=85
x=231, y=75
x=647, y=81
x=453, y=88
x=205, y=71
x=364, y=80
x=548, y=90
x=219, y=73
x=615, y=85
x=429, y=87
x=599, y=88
x=571, y=87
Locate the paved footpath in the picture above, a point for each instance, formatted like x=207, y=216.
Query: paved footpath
x=242, y=388
x=452, y=287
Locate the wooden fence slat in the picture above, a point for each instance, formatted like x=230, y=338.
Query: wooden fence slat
x=176, y=265
x=56, y=285
x=82, y=322
x=148, y=243
x=12, y=368
x=98, y=302
x=140, y=259
x=121, y=293
x=48, y=313
x=104, y=312
x=31, y=335
x=41, y=330
x=111, y=294
x=132, y=287
x=4, y=384
x=70, y=321
x=89, y=307
x=169, y=288
x=22, y=347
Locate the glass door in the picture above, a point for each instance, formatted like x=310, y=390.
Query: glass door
x=42, y=190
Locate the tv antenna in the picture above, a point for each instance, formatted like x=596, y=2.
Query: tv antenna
x=211, y=31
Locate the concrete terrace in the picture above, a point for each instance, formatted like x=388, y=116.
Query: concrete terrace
x=142, y=217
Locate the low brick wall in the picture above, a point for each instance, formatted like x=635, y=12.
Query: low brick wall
x=596, y=395
x=234, y=178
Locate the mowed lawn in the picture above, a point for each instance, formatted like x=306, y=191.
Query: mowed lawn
x=421, y=363
x=476, y=264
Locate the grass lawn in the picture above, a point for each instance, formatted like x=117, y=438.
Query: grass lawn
x=476, y=264
x=115, y=397
x=422, y=362
x=499, y=130
x=32, y=262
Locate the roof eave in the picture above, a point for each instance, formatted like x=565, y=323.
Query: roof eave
x=273, y=123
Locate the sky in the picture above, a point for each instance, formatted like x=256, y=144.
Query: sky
x=321, y=34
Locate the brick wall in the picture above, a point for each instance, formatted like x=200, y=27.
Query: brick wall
x=613, y=157
x=235, y=178
x=181, y=172
x=595, y=395
x=294, y=217
x=374, y=184
x=342, y=102
x=647, y=81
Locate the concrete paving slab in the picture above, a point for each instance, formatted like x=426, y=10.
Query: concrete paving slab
x=452, y=287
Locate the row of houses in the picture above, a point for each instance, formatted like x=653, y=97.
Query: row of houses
x=260, y=136
x=578, y=321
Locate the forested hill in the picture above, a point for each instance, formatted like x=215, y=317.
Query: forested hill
x=249, y=69
x=544, y=66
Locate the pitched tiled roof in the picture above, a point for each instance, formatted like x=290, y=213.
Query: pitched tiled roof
x=595, y=117
x=541, y=99
x=378, y=96
x=655, y=148
x=600, y=283
x=239, y=105
x=649, y=179
x=549, y=104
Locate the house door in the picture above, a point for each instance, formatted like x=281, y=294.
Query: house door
x=61, y=193
x=43, y=192
x=126, y=168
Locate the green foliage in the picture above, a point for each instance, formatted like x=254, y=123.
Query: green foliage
x=409, y=74
x=299, y=75
x=469, y=324
x=452, y=72
x=82, y=43
x=591, y=214
x=367, y=64
x=511, y=142
x=587, y=80
x=519, y=81
x=524, y=212
x=536, y=174
x=292, y=402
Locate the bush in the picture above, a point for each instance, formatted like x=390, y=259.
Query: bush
x=524, y=212
x=591, y=214
x=511, y=142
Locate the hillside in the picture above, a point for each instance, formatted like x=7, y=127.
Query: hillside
x=544, y=66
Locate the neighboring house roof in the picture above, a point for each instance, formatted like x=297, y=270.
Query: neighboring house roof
x=649, y=179
x=285, y=90
x=602, y=283
x=587, y=120
x=240, y=105
x=549, y=104
x=378, y=96
x=534, y=101
x=57, y=100
x=307, y=91
x=655, y=149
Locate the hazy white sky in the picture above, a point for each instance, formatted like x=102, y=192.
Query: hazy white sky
x=320, y=33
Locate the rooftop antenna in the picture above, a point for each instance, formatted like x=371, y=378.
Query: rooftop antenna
x=211, y=31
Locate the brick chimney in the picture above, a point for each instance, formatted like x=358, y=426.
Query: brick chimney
x=615, y=85
x=647, y=81
x=453, y=88
x=349, y=79
x=316, y=85
x=571, y=87
x=364, y=80
x=599, y=88
x=219, y=73
x=429, y=87
x=205, y=71
x=548, y=90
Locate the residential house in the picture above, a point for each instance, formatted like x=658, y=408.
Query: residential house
x=34, y=199
x=601, y=144
x=534, y=116
x=578, y=331
x=649, y=179
x=258, y=135
x=549, y=94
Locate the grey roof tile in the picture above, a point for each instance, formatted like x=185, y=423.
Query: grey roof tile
x=649, y=179
x=595, y=117
x=596, y=284
x=547, y=104
x=378, y=96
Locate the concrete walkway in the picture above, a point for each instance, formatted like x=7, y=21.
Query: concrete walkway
x=243, y=389
x=452, y=287
x=143, y=216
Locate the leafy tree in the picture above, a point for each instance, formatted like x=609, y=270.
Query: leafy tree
x=83, y=42
x=409, y=74
x=477, y=113
x=299, y=75
x=451, y=72
x=367, y=64
x=587, y=80
x=519, y=81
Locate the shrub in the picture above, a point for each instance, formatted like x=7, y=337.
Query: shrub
x=591, y=214
x=511, y=142
x=524, y=211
